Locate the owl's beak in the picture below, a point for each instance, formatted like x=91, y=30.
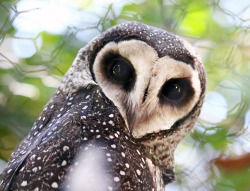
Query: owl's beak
x=131, y=116
x=136, y=119
x=139, y=111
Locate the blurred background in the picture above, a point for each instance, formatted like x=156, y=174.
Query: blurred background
x=40, y=38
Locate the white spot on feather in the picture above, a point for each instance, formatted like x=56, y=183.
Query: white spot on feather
x=54, y=185
x=64, y=163
x=138, y=172
x=24, y=183
x=123, y=154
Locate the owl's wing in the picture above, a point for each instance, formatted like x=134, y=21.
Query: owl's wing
x=47, y=164
x=34, y=156
x=59, y=122
x=22, y=152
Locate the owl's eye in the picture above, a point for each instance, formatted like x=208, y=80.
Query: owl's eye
x=173, y=90
x=118, y=70
x=121, y=70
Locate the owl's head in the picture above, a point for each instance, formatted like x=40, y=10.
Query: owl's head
x=154, y=78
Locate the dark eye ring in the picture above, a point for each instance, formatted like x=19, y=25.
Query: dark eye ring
x=173, y=90
x=121, y=70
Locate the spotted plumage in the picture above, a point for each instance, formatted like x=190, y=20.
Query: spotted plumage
x=129, y=98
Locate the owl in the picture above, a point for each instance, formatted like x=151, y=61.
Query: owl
x=130, y=96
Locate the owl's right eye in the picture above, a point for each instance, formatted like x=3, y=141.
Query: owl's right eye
x=121, y=70
x=176, y=92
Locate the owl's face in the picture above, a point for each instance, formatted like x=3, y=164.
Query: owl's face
x=151, y=92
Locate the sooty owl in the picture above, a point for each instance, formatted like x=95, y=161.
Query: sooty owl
x=129, y=98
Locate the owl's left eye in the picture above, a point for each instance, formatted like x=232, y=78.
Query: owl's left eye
x=121, y=70
x=173, y=90
x=176, y=91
